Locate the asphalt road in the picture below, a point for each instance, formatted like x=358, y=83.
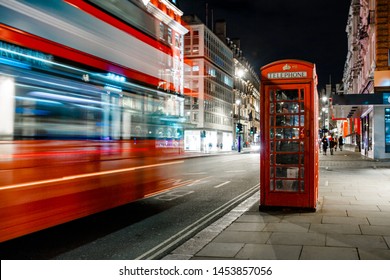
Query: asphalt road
x=202, y=190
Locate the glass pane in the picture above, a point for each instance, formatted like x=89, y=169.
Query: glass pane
x=271, y=159
x=287, y=185
x=302, y=172
x=271, y=108
x=302, y=120
x=287, y=120
x=302, y=107
x=287, y=133
x=271, y=173
x=287, y=146
x=302, y=94
x=287, y=159
x=287, y=172
x=287, y=94
x=287, y=107
x=271, y=133
x=271, y=185
x=280, y=121
x=271, y=95
x=302, y=186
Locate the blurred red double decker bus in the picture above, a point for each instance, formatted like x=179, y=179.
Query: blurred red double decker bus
x=90, y=102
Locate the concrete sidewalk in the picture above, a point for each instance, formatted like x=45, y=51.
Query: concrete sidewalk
x=352, y=220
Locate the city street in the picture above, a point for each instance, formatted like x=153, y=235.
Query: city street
x=203, y=189
x=351, y=221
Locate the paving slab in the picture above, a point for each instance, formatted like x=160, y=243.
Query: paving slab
x=216, y=249
x=356, y=241
x=328, y=253
x=375, y=230
x=269, y=252
x=344, y=220
x=372, y=254
x=246, y=227
x=242, y=237
x=297, y=238
x=335, y=228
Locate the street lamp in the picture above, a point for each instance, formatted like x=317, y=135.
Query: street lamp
x=238, y=102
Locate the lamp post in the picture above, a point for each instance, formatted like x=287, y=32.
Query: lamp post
x=238, y=102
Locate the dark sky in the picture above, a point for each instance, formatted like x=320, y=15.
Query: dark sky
x=269, y=30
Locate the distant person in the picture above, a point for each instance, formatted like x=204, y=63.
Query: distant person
x=324, y=142
x=335, y=140
x=331, y=144
x=341, y=143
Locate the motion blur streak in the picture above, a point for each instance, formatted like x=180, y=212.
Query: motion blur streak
x=89, y=175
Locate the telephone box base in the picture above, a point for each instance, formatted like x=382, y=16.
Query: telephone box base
x=288, y=209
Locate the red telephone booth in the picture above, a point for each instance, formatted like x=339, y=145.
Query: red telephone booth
x=289, y=135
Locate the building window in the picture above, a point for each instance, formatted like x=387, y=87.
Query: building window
x=170, y=36
x=162, y=30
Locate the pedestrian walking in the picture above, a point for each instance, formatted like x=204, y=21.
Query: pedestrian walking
x=335, y=143
x=341, y=143
x=331, y=144
x=324, y=142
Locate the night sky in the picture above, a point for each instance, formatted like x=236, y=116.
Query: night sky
x=269, y=30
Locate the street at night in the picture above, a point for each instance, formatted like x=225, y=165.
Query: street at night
x=203, y=189
x=175, y=138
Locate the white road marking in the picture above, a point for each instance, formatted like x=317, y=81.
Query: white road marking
x=220, y=185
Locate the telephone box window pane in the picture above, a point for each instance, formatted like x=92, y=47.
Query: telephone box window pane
x=287, y=94
x=302, y=172
x=302, y=186
x=271, y=185
x=287, y=107
x=271, y=174
x=287, y=120
x=271, y=133
x=271, y=121
x=271, y=108
x=287, y=146
x=287, y=172
x=271, y=95
x=271, y=159
x=287, y=185
x=302, y=120
x=281, y=172
x=287, y=133
x=287, y=159
x=302, y=159
x=302, y=145
x=302, y=94
x=302, y=107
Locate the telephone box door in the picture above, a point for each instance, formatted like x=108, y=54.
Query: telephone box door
x=287, y=145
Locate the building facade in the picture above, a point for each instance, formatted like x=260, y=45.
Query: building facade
x=208, y=82
x=367, y=71
x=246, y=96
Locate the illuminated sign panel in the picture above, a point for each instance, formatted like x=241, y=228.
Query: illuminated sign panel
x=386, y=98
x=287, y=75
x=387, y=130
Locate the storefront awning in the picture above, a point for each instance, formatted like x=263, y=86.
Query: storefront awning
x=351, y=105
